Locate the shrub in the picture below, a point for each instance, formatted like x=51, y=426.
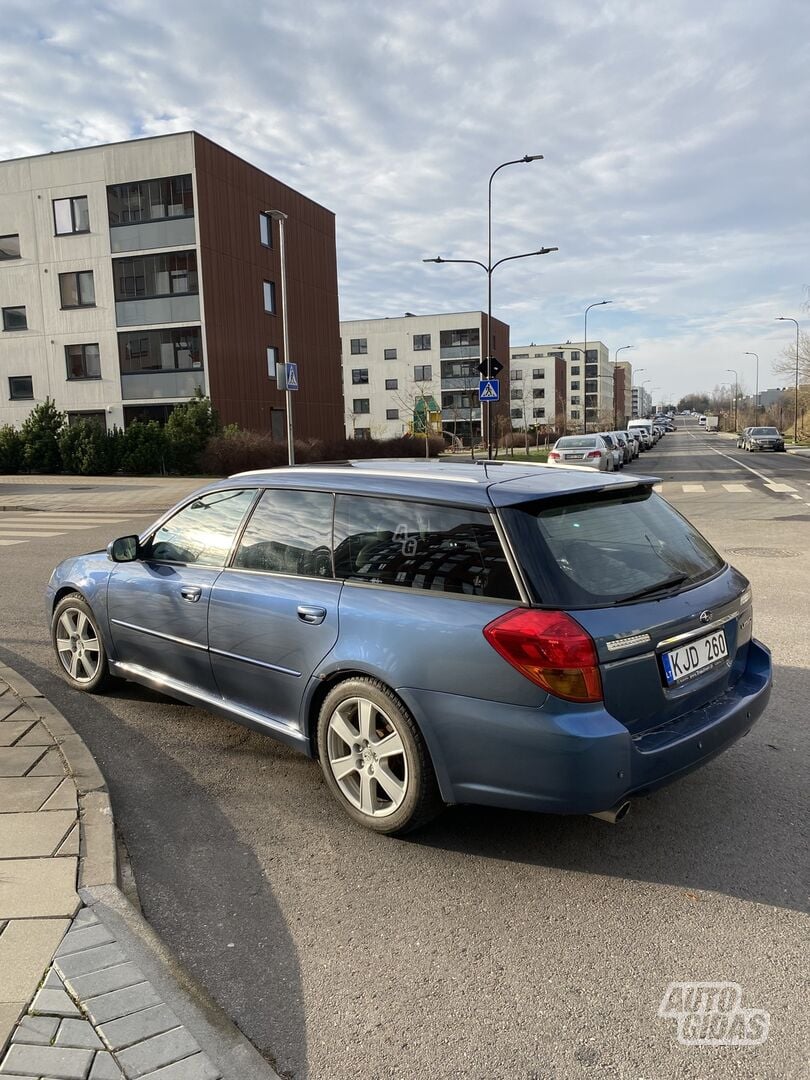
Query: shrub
x=143, y=448
x=86, y=448
x=188, y=431
x=40, y=435
x=11, y=450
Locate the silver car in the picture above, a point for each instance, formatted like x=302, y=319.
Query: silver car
x=588, y=450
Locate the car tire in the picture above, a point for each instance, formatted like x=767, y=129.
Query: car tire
x=356, y=716
x=79, y=646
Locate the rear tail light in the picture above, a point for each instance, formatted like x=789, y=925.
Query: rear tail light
x=554, y=455
x=595, y=453
x=551, y=649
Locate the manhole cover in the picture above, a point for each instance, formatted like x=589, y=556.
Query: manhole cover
x=764, y=553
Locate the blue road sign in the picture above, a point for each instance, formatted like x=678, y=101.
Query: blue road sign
x=292, y=376
x=489, y=390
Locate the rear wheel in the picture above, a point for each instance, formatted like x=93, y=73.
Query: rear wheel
x=374, y=758
x=79, y=646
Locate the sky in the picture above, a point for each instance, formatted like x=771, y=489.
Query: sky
x=675, y=141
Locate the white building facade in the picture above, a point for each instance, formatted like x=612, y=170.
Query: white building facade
x=397, y=370
x=642, y=403
x=537, y=389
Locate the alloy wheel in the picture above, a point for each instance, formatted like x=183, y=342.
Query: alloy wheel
x=367, y=757
x=77, y=645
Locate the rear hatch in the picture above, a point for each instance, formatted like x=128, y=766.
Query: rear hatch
x=670, y=620
x=577, y=448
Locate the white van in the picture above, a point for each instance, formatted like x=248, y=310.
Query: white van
x=645, y=429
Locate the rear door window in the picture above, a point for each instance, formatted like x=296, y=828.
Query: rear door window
x=417, y=545
x=608, y=549
x=289, y=532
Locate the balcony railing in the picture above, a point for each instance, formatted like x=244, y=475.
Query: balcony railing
x=145, y=385
x=164, y=309
x=145, y=235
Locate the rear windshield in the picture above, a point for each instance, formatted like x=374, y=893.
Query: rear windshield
x=764, y=431
x=571, y=442
x=608, y=549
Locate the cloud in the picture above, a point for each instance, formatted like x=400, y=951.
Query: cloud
x=675, y=143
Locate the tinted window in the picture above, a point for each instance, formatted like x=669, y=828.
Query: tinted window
x=569, y=442
x=764, y=431
x=202, y=532
x=420, y=546
x=601, y=551
x=289, y=532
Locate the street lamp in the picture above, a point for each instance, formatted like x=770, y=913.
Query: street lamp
x=782, y=318
x=280, y=217
x=756, y=391
x=599, y=303
x=632, y=376
x=488, y=269
x=736, y=386
x=615, y=362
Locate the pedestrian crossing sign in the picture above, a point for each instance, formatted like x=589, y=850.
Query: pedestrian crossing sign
x=292, y=376
x=489, y=390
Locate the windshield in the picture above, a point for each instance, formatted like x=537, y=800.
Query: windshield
x=607, y=549
x=764, y=431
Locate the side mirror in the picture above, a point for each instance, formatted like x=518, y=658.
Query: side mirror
x=124, y=549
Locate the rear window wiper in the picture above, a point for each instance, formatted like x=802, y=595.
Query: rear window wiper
x=667, y=583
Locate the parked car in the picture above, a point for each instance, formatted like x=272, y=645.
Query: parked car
x=741, y=437
x=433, y=632
x=764, y=438
x=644, y=428
x=624, y=443
x=701, y=420
x=612, y=444
x=634, y=442
x=588, y=450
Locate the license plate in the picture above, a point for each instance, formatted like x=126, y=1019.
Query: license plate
x=681, y=664
x=574, y=457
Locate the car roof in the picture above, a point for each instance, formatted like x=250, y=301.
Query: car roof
x=476, y=484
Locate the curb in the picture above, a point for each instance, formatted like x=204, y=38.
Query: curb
x=99, y=891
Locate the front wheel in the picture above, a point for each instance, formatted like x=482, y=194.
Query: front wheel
x=374, y=758
x=79, y=646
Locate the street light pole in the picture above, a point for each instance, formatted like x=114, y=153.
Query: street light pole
x=599, y=303
x=281, y=218
x=615, y=362
x=632, y=374
x=756, y=391
x=736, y=387
x=782, y=318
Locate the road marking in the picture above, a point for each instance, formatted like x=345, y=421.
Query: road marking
x=687, y=488
x=8, y=543
x=768, y=480
x=28, y=535
x=773, y=486
x=742, y=488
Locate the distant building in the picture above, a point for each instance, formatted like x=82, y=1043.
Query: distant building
x=134, y=274
x=398, y=370
x=537, y=389
x=642, y=402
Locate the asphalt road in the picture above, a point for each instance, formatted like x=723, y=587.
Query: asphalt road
x=493, y=944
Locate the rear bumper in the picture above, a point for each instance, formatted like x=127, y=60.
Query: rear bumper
x=579, y=760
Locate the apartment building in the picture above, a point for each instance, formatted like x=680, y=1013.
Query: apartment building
x=622, y=393
x=537, y=389
x=136, y=273
x=401, y=374
x=642, y=402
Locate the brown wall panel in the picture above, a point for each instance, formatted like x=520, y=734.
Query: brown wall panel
x=230, y=194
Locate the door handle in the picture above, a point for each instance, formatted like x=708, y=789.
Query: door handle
x=309, y=614
x=192, y=593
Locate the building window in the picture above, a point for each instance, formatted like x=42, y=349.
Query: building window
x=94, y=417
x=591, y=356
x=272, y=360
x=574, y=357
x=392, y=384
x=392, y=414
x=520, y=356
x=538, y=413
x=265, y=230
x=361, y=405
x=71, y=215
x=83, y=361
x=516, y=414
x=14, y=318
x=150, y=200
x=160, y=350
x=541, y=393
x=575, y=370
x=455, y=339
x=362, y=433
x=359, y=346
x=10, y=247
x=21, y=387
x=148, y=277
x=575, y=400
x=460, y=369
x=77, y=289
x=422, y=372
x=460, y=400
x=516, y=374
x=389, y=354
x=538, y=373
x=575, y=414
x=359, y=375
x=575, y=384
x=270, y=297
x=516, y=395
x=421, y=342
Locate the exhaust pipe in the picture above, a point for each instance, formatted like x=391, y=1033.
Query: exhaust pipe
x=615, y=814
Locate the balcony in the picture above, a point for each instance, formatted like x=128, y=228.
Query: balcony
x=181, y=308
x=145, y=385
x=145, y=235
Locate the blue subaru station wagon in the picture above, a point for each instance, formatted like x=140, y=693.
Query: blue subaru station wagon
x=547, y=639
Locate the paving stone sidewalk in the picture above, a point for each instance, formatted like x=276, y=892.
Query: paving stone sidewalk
x=87, y=991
